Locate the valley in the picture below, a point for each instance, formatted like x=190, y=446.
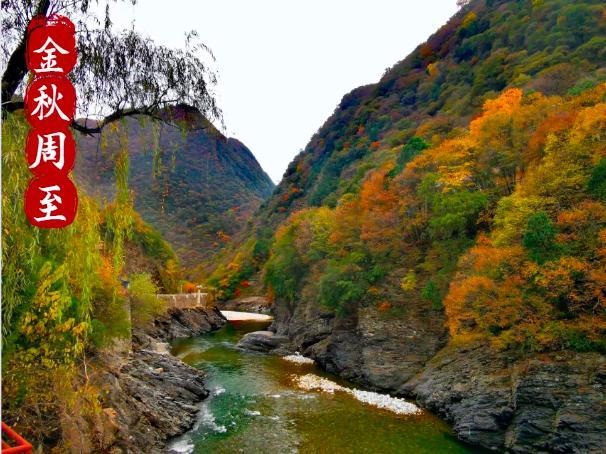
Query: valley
x=428, y=276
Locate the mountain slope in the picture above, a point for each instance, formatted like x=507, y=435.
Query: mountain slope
x=548, y=46
x=442, y=236
x=191, y=183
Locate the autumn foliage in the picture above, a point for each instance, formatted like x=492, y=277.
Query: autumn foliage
x=538, y=279
x=452, y=184
x=499, y=226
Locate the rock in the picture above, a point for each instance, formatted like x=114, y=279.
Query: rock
x=180, y=323
x=258, y=304
x=150, y=407
x=150, y=395
x=497, y=400
x=368, y=347
x=501, y=402
x=262, y=341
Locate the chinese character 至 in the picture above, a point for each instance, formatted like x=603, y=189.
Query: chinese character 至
x=48, y=204
x=51, y=201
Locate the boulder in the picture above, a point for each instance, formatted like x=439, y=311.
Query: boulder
x=262, y=341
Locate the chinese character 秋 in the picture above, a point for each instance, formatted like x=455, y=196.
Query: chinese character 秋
x=50, y=103
x=44, y=101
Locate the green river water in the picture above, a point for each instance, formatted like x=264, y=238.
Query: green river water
x=255, y=407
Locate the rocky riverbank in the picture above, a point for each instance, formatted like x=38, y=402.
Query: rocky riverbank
x=258, y=304
x=546, y=403
x=151, y=396
x=497, y=400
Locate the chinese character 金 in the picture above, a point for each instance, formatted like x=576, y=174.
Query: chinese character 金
x=51, y=45
x=49, y=60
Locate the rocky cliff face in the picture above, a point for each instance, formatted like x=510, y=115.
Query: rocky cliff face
x=152, y=396
x=368, y=347
x=180, y=323
x=546, y=403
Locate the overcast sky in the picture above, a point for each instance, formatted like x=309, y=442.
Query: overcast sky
x=284, y=65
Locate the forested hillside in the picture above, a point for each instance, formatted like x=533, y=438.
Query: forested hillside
x=550, y=47
x=192, y=184
x=443, y=235
x=470, y=178
x=441, y=238
x=523, y=187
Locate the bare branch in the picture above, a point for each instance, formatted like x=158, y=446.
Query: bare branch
x=117, y=73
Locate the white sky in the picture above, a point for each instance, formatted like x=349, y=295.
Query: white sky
x=284, y=65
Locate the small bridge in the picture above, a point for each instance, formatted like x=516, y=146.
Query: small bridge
x=185, y=300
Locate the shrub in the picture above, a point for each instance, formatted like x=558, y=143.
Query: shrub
x=409, y=282
x=145, y=305
x=431, y=293
x=341, y=285
x=346, y=281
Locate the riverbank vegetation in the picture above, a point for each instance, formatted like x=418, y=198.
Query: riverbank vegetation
x=66, y=296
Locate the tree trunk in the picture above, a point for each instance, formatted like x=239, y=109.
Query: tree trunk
x=16, y=68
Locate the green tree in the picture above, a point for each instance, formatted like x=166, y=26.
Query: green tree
x=344, y=283
x=411, y=149
x=431, y=292
x=597, y=181
x=285, y=268
x=539, y=237
x=456, y=213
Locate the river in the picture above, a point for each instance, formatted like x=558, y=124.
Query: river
x=261, y=404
